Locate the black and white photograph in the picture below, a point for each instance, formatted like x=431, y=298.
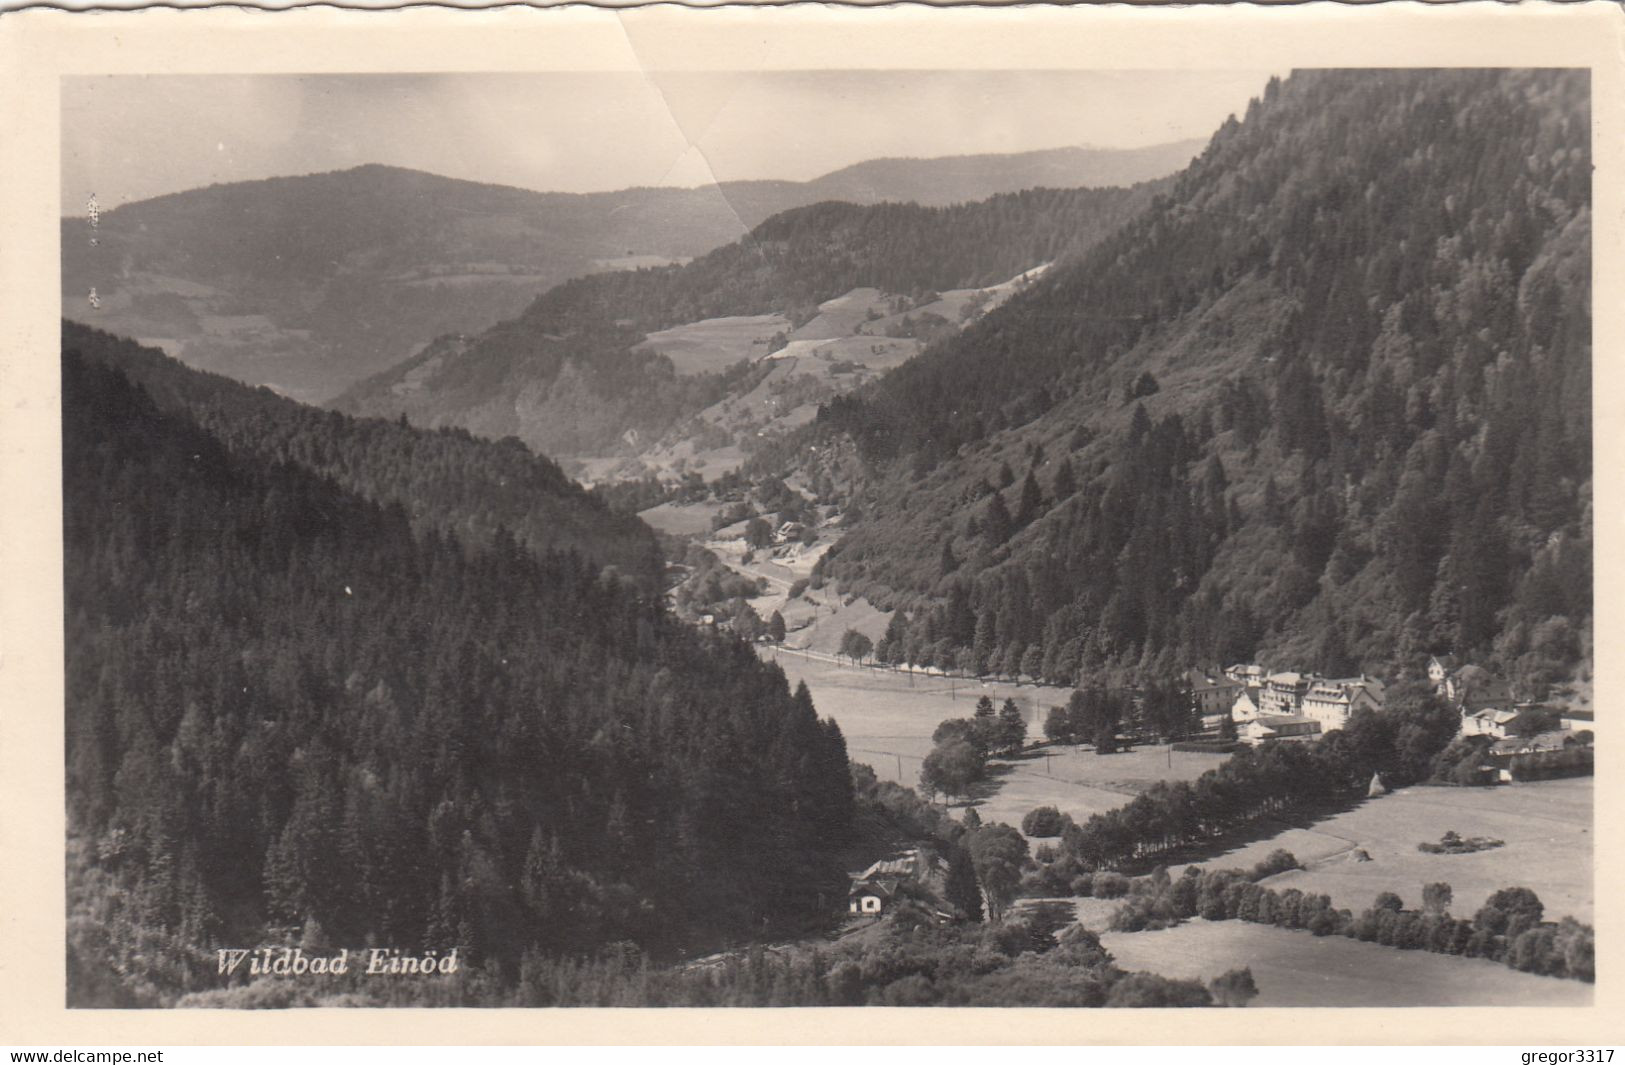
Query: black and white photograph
x=833, y=537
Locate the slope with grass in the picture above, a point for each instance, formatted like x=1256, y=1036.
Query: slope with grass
x=1295, y=968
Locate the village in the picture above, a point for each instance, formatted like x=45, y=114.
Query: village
x=1528, y=738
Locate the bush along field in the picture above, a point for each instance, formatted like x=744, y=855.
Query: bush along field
x=1508, y=928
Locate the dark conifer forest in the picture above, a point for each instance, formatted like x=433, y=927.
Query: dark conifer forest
x=447, y=480
x=294, y=717
x=1328, y=400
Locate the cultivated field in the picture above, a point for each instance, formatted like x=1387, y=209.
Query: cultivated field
x=888, y=717
x=717, y=343
x=690, y=519
x=1546, y=826
x=841, y=316
x=1294, y=968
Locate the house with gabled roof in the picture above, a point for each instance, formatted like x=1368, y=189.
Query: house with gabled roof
x=1333, y=702
x=1440, y=667
x=875, y=889
x=1211, y=694
x=1245, y=708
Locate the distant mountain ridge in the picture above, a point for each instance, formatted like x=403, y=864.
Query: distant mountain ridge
x=313, y=282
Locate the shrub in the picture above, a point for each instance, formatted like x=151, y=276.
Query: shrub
x=1151, y=990
x=1279, y=861
x=1110, y=885
x=1083, y=885
x=797, y=588
x=1044, y=822
x=1323, y=923
x=1235, y=988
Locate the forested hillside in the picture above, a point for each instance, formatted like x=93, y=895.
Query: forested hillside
x=1326, y=402
x=568, y=375
x=310, y=283
x=293, y=719
x=445, y=480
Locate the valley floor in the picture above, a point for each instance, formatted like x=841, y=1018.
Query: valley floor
x=1295, y=968
x=888, y=716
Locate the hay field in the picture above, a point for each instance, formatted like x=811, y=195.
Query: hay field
x=1294, y=968
x=715, y=344
x=1547, y=826
x=888, y=717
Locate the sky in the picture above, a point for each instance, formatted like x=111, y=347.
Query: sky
x=131, y=137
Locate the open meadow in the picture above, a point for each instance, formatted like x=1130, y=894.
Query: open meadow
x=1546, y=825
x=887, y=717
x=1294, y=968
x=715, y=344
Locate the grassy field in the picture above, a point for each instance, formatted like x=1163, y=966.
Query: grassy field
x=1293, y=968
x=888, y=721
x=840, y=316
x=716, y=343
x=690, y=519
x=888, y=718
x=1546, y=826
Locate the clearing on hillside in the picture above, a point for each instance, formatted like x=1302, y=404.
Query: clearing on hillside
x=715, y=344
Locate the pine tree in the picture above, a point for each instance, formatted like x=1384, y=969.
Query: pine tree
x=1066, y=481
x=997, y=523
x=960, y=889
x=1012, y=728
x=1032, y=501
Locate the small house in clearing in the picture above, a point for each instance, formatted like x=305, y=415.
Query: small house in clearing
x=875, y=889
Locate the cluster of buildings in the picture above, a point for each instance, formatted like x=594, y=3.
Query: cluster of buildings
x=1267, y=706
x=1280, y=706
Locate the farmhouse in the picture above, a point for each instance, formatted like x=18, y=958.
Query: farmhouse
x=876, y=888
x=1270, y=728
x=870, y=898
x=1474, y=688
